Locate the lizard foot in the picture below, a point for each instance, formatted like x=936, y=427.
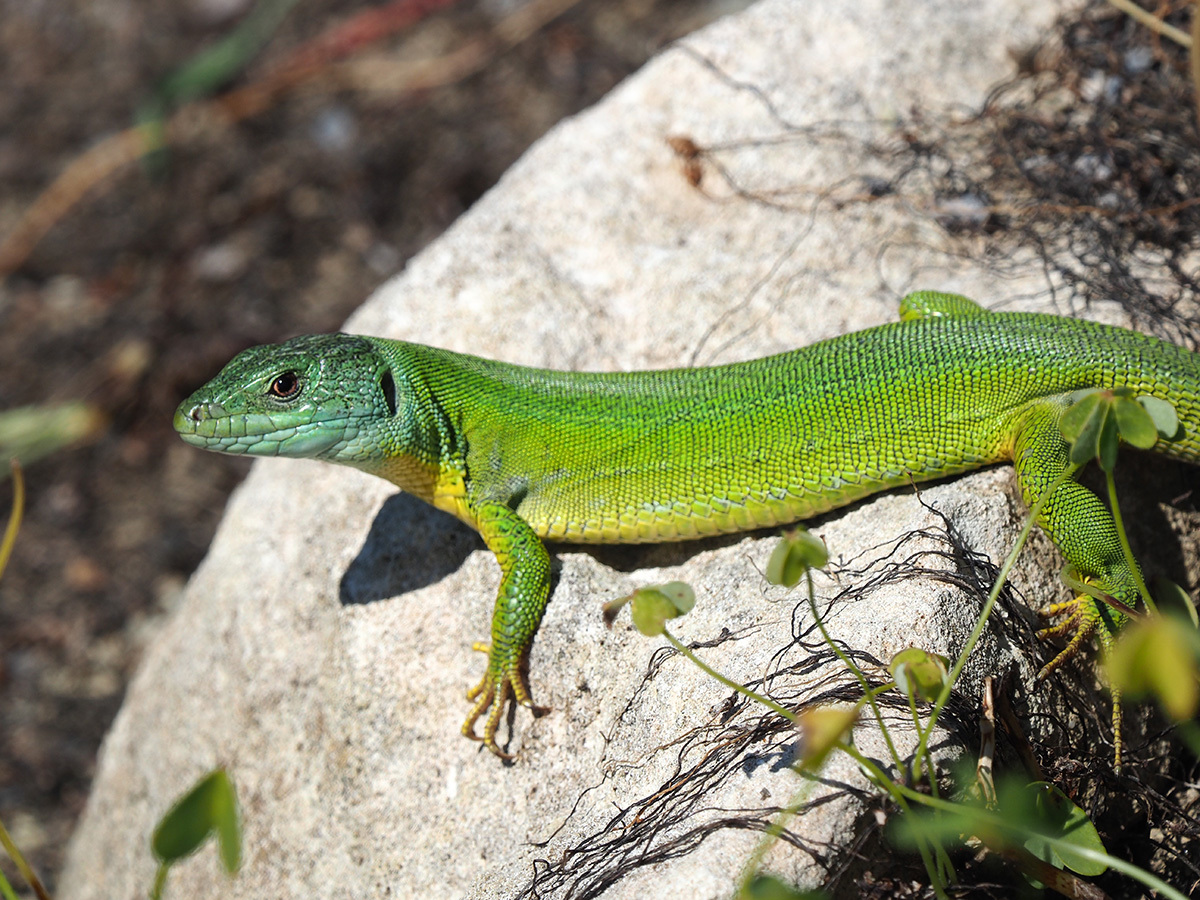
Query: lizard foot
x=501, y=683
x=1081, y=620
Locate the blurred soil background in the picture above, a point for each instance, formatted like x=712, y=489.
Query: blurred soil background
x=279, y=224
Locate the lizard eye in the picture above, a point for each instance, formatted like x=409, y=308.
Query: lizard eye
x=285, y=386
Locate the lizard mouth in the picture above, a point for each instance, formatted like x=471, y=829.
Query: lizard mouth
x=209, y=427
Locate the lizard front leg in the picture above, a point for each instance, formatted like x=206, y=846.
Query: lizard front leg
x=524, y=591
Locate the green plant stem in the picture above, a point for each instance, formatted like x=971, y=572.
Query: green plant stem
x=1125, y=548
x=777, y=825
x=6, y=890
x=740, y=688
x=22, y=866
x=923, y=765
x=1072, y=580
x=936, y=876
x=774, y=830
x=14, y=517
x=849, y=664
x=160, y=881
x=1126, y=868
x=993, y=594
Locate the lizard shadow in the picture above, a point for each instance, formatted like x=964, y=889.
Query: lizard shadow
x=410, y=545
x=627, y=558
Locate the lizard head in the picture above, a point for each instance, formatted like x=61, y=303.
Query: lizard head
x=316, y=397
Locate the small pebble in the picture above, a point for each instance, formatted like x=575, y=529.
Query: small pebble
x=1138, y=60
x=334, y=129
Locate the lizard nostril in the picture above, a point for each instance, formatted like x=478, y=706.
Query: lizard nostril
x=194, y=412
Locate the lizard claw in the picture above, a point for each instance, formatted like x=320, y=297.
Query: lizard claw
x=500, y=684
x=1080, y=621
x=1082, y=617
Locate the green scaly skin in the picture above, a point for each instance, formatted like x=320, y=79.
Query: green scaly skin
x=525, y=454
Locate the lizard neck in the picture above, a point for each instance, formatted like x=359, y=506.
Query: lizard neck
x=443, y=486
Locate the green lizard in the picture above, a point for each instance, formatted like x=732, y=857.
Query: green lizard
x=524, y=455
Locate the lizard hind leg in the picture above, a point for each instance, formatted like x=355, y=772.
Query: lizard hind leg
x=1082, y=528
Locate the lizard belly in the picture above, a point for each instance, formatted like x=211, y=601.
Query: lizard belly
x=592, y=513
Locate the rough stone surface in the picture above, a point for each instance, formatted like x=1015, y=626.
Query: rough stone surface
x=321, y=653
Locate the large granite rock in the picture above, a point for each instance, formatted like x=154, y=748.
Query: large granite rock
x=322, y=650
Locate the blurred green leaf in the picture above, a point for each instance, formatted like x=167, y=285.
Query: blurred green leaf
x=1166, y=420
x=209, y=808
x=31, y=432
x=1134, y=423
x=1096, y=422
x=653, y=606
x=797, y=551
x=1055, y=815
x=215, y=65
x=919, y=673
x=1028, y=814
x=1159, y=655
x=821, y=727
x=205, y=73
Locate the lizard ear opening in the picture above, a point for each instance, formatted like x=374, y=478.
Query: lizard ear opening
x=387, y=384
